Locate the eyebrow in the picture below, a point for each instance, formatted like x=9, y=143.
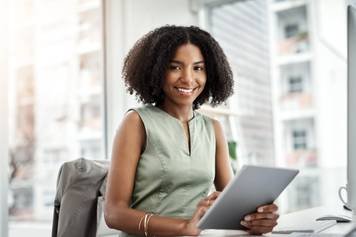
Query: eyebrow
x=179, y=62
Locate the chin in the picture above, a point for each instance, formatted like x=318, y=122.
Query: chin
x=184, y=103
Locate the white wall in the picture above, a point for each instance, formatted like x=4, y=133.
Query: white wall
x=330, y=96
x=330, y=82
x=127, y=21
x=3, y=121
x=143, y=16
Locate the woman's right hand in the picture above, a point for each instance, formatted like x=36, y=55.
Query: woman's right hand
x=191, y=228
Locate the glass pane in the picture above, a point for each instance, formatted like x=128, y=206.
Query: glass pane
x=293, y=31
x=56, y=101
x=241, y=30
x=289, y=105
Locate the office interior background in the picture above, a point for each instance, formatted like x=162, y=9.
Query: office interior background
x=66, y=97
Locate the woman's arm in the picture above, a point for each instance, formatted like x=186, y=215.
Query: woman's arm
x=223, y=170
x=128, y=145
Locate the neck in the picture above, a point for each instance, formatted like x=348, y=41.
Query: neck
x=182, y=113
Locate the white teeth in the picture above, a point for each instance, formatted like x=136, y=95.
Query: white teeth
x=184, y=90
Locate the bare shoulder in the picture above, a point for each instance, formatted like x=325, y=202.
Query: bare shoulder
x=132, y=117
x=219, y=131
x=217, y=126
x=131, y=131
x=131, y=122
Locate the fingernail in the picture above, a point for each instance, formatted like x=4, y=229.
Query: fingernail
x=260, y=209
x=247, y=218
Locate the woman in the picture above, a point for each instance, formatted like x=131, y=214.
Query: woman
x=166, y=156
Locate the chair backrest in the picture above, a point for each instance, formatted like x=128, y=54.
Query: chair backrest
x=79, y=184
x=102, y=229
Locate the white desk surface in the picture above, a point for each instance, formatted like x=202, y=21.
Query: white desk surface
x=298, y=220
x=295, y=220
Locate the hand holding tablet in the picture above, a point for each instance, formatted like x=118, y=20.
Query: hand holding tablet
x=253, y=187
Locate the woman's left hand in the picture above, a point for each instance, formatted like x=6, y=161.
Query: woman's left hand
x=262, y=221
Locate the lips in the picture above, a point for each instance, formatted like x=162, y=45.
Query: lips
x=185, y=90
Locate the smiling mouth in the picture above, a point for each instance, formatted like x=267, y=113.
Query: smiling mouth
x=185, y=90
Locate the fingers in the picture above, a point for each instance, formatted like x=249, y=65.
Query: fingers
x=191, y=228
x=205, y=203
x=209, y=200
x=262, y=221
x=213, y=195
x=260, y=230
x=259, y=226
x=268, y=208
x=199, y=213
x=257, y=216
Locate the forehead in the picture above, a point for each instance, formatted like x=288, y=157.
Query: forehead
x=188, y=52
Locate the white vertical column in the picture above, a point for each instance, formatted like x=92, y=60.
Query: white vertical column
x=351, y=110
x=3, y=120
x=114, y=50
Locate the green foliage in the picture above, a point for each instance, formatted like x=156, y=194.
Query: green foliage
x=232, y=149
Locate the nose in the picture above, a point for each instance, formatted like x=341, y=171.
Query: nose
x=187, y=76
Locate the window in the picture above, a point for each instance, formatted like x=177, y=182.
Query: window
x=291, y=30
x=276, y=97
x=305, y=193
x=300, y=140
x=56, y=99
x=240, y=28
x=295, y=84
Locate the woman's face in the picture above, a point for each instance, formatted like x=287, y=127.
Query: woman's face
x=185, y=77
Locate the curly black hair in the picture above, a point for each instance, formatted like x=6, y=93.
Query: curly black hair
x=146, y=64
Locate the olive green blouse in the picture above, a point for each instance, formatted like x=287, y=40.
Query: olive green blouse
x=171, y=178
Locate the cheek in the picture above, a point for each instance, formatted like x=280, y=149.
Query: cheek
x=169, y=78
x=203, y=82
x=167, y=81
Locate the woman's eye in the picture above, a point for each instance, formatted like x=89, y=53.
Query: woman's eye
x=199, y=68
x=174, y=67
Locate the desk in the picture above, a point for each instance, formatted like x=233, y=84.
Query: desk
x=304, y=219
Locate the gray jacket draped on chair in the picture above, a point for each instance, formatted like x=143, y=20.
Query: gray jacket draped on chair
x=80, y=183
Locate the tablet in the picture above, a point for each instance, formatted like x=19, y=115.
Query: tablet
x=252, y=187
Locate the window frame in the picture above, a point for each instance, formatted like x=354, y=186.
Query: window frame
x=4, y=121
x=114, y=44
x=4, y=148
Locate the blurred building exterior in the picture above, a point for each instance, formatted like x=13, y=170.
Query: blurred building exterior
x=309, y=96
x=241, y=28
x=287, y=60
x=56, y=90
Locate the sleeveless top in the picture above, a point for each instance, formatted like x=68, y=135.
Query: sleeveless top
x=171, y=179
